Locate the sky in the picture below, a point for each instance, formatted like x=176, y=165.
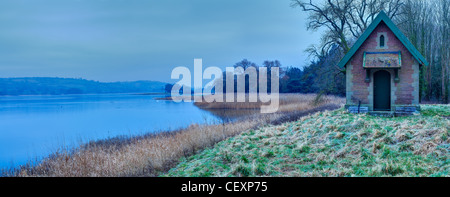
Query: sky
x=129, y=40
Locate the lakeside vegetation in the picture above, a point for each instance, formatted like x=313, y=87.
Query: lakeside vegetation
x=320, y=139
x=311, y=135
x=333, y=143
x=155, y=154
x=287, y=102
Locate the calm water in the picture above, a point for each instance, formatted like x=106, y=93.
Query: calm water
x=35, y=126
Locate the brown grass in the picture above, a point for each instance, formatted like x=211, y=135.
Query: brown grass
x=287, y=103
x=153, y=154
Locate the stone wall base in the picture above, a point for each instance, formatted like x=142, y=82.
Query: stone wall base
x=406, y=110
x=398, y=110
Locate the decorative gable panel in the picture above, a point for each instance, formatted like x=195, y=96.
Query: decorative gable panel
x=382, y=60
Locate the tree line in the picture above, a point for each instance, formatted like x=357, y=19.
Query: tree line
x=426, y=23
x=309, y=79
x=63, y=86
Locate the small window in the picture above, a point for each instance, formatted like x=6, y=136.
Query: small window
x=381, y=41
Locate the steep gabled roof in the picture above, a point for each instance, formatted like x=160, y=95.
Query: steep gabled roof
x=383, y=17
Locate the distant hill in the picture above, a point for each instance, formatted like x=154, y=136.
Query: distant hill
x=60, y=86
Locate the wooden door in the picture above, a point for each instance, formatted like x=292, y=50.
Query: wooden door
x=382, y=91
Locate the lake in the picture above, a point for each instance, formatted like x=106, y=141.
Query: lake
x=35, y=126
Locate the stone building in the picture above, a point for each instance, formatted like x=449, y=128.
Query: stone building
x=382, y=70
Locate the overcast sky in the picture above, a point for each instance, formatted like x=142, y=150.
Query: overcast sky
x=127, y=40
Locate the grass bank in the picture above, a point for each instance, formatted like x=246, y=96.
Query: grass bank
x=155, y=154
x=332, y=143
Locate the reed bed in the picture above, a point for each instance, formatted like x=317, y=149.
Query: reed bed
x=144, y=156
x=287, y=102
x=154, y=154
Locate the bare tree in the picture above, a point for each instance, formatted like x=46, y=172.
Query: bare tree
x=245, y=64
x=426, y=24
x=364, y=11
x=344, y=20
x=444, y=19
x=332, y=15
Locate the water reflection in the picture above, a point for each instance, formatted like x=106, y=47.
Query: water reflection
x=34, y=126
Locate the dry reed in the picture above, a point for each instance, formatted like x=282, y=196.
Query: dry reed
x=153, y=154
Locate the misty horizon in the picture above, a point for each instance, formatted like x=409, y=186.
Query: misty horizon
x=116, y=40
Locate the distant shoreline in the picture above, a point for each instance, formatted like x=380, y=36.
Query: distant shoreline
x=131, y=93
x=71, y=86
x=150, y=93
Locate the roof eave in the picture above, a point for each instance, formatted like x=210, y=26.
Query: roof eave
x=383, y=17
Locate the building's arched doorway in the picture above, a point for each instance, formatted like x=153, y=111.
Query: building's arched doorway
x=382, y=91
